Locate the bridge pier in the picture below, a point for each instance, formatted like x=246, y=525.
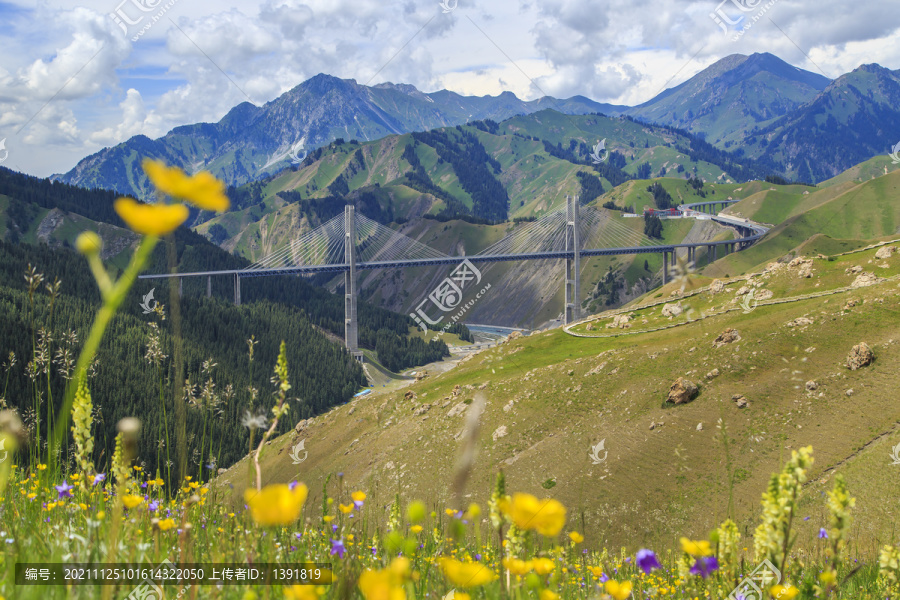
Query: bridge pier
x=181, y=287
x=351, y=331
x=237, y=289
x=573, y=265
x=209, y=286
x=665, y=268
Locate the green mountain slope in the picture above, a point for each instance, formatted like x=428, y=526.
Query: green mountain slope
x=552, y=397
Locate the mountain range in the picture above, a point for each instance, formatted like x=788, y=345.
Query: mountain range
x=810, y=127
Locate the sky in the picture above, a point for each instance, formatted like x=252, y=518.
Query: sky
x=78, y=76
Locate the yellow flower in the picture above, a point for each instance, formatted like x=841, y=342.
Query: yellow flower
x=416, y=529
x=88, y=243
x=166, y=524
x=42, y=467
x=576, y=537
x=202, y=190
x=82, y=506
x=131, y=501
x=468, y=574
x=784, y=592
x=276, y=504
x=346, y=508
x=151, y=219
x=159, y=482
x=516, y=566
x=548, y=595
x=358, y=496
x=543, y=566
x=386, y=584
x=596, y=571
x=474, y=512
x=698, y=548
x=301, y=592
x=328, y=518
x=547, y=516
x=617, y=590
x=194, y=485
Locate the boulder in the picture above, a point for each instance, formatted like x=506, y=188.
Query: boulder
x=811, y=386
x=744, y=290
x=853, y=270
x=712, y=374
x=763, y=295
x=409, y=395
x=800, y=322
x=886, y=252
x=860, y=356
x=619, y=322
x=672, y=310
x=457, y=410
x=514, y=335
x=740, y=400
x=726, y=337
x=500, y=432
x=717, y=286
x=682, y=391
x=866, y=279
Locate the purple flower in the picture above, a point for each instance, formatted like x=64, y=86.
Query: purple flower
x=823, y=534
x=337, y=547
x=647, y=561
x=334, y=527
x=341, y=474
x=358, y=504
x=806, y=518
x=98, y=478
x=298, y=535
x=292, y=485
x=603, y=578
x=704, y=566
x=153, y=506
x=65, y=490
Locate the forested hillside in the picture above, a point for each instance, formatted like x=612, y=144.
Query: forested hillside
x=42, y=335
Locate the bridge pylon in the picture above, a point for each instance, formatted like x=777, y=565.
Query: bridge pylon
x=351, y=329
x=573, y=265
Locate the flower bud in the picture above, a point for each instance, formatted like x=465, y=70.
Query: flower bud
x=89, y=243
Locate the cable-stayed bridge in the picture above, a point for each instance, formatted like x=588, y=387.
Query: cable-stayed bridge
x=349, y=243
